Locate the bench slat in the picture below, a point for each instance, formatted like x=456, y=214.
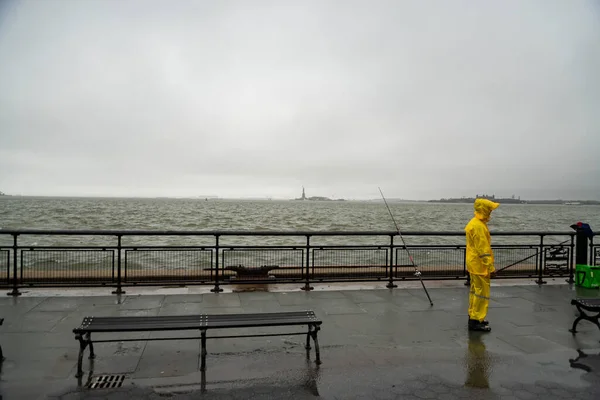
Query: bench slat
x=588, y=304
x=188, y=322
x=260, y=316
x=257, y=323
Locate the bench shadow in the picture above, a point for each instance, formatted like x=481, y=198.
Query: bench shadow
x=586, y=362
x=88, y=377
x=309, y=378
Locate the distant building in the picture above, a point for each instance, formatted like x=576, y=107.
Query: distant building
x=314, y=198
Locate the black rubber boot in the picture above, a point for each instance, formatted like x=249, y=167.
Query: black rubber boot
x=475, y=325
x=483, y=322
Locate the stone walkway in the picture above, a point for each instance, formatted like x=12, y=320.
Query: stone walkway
x=375, y=344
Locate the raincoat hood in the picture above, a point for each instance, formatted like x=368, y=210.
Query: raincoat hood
x=483, y=209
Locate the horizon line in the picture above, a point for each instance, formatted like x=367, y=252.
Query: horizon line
x=276, y=198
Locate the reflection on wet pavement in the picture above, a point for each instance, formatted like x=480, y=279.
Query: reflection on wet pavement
x=478, y=362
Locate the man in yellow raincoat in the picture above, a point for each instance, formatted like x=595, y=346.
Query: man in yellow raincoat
x=480, y=263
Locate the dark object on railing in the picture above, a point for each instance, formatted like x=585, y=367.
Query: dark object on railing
x=244, y=272
x=1, y=353
x=584, y=234
x=592, y=305
x=202, y=322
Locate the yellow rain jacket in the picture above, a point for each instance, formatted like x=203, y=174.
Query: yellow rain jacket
x=480, y=257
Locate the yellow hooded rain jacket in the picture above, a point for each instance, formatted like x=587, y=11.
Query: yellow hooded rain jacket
x=480, y=257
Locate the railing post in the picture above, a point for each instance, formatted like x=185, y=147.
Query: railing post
x=119, y=290
x=592, y=253
x=391, y=284
x=468, y=280
x=540, y=280
x=216, y=289
x=582, y=243
x=15, y=290
x=571, y=251
x=307, y=286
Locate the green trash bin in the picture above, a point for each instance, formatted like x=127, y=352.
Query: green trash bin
x=587, y=276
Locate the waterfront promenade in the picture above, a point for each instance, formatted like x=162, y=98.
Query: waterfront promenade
x=376, y=343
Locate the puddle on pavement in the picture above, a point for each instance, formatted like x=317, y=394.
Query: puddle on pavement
x=479, y=365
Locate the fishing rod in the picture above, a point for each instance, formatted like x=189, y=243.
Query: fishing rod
x=417, y=272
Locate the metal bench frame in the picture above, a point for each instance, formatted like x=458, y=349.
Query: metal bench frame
x=201, y=322
x=590, y=305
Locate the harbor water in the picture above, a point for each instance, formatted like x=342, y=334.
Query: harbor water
x=245, y=215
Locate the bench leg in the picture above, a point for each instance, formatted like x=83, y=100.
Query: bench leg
x=314, y=333
x=573, y=329
x=582, y=315
x=89, y=340
x=1, y=354
x=308, y=337
x=203, y=352
x=82, y=345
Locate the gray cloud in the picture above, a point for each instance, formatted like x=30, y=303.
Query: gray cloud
x=236, y=98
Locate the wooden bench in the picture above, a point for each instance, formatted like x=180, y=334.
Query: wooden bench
x=590, y=305
x=201, y=322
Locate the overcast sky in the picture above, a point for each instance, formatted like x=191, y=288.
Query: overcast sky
x=425, y=99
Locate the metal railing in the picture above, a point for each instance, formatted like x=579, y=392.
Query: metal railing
x=250, y=257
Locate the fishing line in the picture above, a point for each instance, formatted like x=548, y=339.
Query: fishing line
x=417, y=272
x=531, y=256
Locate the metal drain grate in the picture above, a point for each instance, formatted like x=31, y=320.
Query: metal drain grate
x=106, y=381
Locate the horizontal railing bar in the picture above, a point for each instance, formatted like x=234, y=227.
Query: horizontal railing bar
x=168, y=248
x=264, y=233
x=259, y=247
x=88, y=248
x=279, y=247
x=382, y=246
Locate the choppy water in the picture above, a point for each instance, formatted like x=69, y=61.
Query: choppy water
x=189, y=214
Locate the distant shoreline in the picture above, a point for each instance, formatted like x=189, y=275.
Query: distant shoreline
x=465, y=200
x=525, y=202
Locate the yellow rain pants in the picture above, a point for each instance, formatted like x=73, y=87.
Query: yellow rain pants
x=479, y=298
x=480, y=258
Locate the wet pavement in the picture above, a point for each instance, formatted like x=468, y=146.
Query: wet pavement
x=375, y=343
